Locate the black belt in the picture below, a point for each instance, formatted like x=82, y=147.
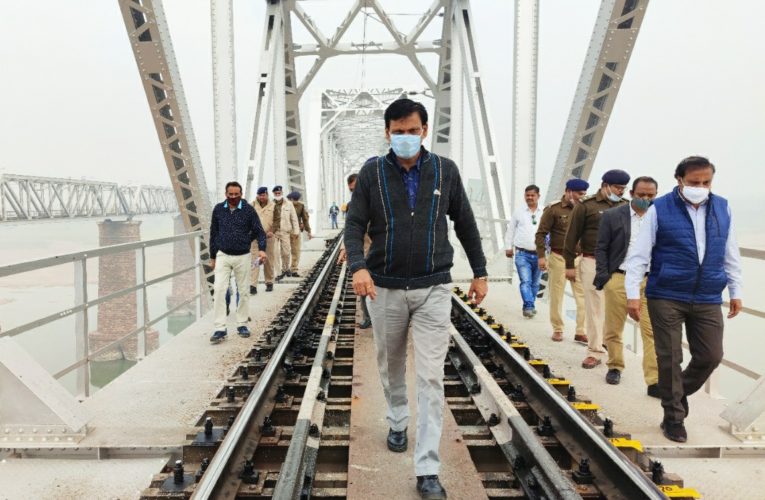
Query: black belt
x=517, y=249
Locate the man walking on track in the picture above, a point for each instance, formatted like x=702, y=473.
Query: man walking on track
x=233, y=228
x=402, y=200
x=265, y=210
x=687, y=238
x=284, y=227
x=554, y=223
x=583, y=233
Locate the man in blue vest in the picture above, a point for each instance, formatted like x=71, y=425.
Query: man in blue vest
x=689, y=242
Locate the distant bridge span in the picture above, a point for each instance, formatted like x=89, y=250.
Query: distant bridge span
x=29, y=198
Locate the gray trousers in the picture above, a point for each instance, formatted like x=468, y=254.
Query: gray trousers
x=704, y=330
x=428, y=311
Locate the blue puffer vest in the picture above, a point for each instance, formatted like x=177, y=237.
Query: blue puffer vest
x=675, y=270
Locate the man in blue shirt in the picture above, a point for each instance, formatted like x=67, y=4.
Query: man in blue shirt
x=233, y=228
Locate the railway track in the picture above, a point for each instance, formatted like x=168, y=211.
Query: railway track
x=281, y=427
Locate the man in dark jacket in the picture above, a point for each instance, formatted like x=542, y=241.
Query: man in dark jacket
x=687, y=238
x=617, y=233
x=233, y=228
x=402, y=199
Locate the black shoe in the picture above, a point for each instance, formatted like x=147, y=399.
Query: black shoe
x=269, y=287
x=280, y=277
x=429, y=487
x=243, y=331
x=365, y=323
x=218, y=337
x=613, y=376
x=654, y=391
x=253, y=290
x=228, y=310
x=674, y=431
x=397, y=441
x=295, y=274
x=684, y=402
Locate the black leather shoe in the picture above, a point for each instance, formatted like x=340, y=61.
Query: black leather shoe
x=397, y=441
x=295, y=274
x=674, y=431
x=253, y=290
x=653, y=391
x=269, y=287
x=613, y=376
x=365, y=323
x=280, y=277
x=429, y=487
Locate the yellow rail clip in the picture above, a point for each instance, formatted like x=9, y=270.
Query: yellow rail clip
x=581, y=406
x=559, y=381
x=674, y=491
x=627, y=443
x=537, y=362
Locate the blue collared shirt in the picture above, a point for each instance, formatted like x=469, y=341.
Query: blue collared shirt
x=411, y=180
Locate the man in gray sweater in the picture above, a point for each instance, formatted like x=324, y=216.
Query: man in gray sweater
x=402, y=199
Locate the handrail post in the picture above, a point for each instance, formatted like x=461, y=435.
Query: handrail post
x=81, y=326
x=197, y=275
x=141, y=302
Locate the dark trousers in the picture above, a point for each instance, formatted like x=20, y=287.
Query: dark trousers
x=704, y=330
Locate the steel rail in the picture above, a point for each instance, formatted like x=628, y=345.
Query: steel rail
x=521, y=447
x=208, y=485
x=614, y=473
x=291, y=476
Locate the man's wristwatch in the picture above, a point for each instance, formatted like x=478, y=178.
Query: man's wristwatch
x=484, y=278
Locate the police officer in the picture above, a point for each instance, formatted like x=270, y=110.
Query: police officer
x=296, y=239
x=265, y=210
x=554, y=222
x=583, y=233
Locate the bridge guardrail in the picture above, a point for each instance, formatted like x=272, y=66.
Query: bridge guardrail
x=83, y=303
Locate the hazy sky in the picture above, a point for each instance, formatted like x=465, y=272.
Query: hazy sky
x=72, y=103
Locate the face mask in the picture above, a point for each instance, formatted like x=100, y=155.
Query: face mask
x=695, y=195
x=613, y=197
x=642, y=204
x=278, y=198
x=405, y=146
x=234, y=200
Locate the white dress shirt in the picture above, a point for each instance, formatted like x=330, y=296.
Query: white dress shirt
x=521, y=230
x=639, y=259
x=636, y=220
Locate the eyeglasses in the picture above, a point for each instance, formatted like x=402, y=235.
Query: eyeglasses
x=534, y=219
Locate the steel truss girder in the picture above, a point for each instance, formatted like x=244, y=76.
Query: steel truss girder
x=152, y=46
x=224, y=95
x=613, y=39
x=524, y=96
x=491, y=171
x=446, y=133
x=27, y=198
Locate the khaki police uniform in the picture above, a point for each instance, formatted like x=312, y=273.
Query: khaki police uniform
x=266, y=215
x=296, y=239
x=285, y=225
x=555, y=221
x=583, y=233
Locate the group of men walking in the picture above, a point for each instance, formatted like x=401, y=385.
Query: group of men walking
x=664, y=261
x=243, y=238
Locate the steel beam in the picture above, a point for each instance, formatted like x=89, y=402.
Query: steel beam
x=224, y=94
x=524, y=97
x=613, y=39
x=152, y=46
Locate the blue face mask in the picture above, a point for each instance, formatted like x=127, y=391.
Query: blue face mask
x=642, y=204
x=405, y=146
x=613, y=197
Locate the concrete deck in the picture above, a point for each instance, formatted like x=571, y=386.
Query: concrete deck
x=159, y=400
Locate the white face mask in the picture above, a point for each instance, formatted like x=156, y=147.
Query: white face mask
x=695, y=194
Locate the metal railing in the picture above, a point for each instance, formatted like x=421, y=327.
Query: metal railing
x=83, y=303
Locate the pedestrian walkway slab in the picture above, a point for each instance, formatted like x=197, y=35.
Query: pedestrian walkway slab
x=374, y=471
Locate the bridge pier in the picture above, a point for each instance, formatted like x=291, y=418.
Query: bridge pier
x=119, y=316
x=183, y=284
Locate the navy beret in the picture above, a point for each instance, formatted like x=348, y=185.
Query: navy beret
x=276, y=188
x=616, y=176
x=262, y=189
x=577, y=185
x=293, y=196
